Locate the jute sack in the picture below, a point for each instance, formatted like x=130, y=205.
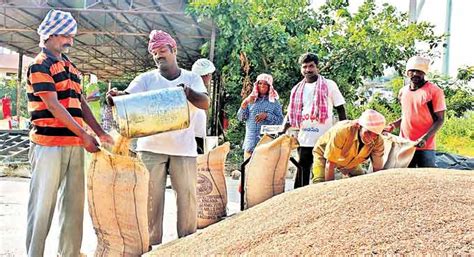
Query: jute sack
x=211, y=187
x=117, y=192
x=265, y=173
x=398, y=151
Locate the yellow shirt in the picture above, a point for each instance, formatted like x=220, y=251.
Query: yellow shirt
x=340, y=145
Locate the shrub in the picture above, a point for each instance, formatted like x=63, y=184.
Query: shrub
x=457, y=135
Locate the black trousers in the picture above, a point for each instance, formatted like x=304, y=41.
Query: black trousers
x=305, y=160
x=423, y=158
x=200, y=145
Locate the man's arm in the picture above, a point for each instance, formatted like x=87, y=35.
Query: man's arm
x=337, y=99
x=59, y=112
x=377, y=163
x=90, y=120
x=392, y=126
x=329, y=171
x=437, y=124
x=286, y=126
x=111, y=93
x=341, y=112
x=333, y=150
x=198, y=99
x=243, y=113
x=94, y=96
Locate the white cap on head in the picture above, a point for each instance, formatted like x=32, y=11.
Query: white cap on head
x=56, y=23
x=203, y=67
x=418, y=63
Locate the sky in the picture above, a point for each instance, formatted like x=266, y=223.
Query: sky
x=434, y=11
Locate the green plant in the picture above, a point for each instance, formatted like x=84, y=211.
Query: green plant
x=458, y=92
x=457, y=135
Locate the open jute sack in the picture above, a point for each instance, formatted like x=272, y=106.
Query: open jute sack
x=398, y=151
x=211, y=186
x=117, y=193
x=265, y=173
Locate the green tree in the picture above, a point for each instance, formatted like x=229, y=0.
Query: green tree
x=458, y=91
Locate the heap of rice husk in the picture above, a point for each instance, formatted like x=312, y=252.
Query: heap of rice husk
x=400, y=211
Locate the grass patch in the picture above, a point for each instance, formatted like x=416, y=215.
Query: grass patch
x=457, y=135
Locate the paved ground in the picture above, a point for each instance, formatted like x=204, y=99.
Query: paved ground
x=13, y=202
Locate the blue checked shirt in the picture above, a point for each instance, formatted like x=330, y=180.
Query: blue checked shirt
x=252, y=132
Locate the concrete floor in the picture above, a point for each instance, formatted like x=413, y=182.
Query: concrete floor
x=13, y=206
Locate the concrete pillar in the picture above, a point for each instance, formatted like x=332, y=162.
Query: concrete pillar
x=18, y=86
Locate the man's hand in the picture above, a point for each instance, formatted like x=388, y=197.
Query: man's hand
x=113, y=92
x=90, y=144
x=286, y=126
x=261, y=117
x=249, y=99
x=329, y=171
x=106, y=139
x=389, y=128
x=198, y=99
x=421, y=142
x=345, y=172
x=185, y=89
x=393, y=125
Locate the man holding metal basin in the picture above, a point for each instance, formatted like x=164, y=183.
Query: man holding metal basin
x=174, y=149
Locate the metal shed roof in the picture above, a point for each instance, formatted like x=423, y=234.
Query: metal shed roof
x=112, y=34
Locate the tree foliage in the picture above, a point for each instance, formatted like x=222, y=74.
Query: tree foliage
x=459, y=92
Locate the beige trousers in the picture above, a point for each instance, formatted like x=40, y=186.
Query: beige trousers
x=57, y=175
x=183, y=175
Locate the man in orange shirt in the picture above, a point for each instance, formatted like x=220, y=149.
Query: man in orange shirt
x=423, y=107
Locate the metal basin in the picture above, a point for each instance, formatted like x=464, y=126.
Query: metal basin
x=152, y=112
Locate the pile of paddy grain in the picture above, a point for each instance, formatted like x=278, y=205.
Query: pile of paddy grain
x=401, y=211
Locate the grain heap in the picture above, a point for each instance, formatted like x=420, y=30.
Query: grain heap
x=400, y=211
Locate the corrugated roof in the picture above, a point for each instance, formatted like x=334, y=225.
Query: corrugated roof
x=112, y=35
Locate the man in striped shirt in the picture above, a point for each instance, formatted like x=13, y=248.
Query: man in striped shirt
x=58, y=112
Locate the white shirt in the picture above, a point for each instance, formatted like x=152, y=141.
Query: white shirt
x=200, y=123
x=178, y=142
x=310, y=131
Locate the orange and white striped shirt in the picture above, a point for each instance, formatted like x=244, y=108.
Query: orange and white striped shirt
x=49, y=74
